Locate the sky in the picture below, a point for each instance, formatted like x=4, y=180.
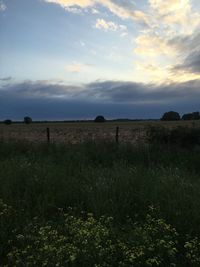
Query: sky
x=76, y=59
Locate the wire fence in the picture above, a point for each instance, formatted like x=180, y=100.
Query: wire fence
x=78, y=132
x=72, y=133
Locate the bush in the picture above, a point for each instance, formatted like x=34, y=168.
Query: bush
x=7, y=216
x=192, y=252
x=8, y=122
x=170, y=116
x=74, y=242
x=158, y=135
x=152, y=243
x=100, y=119
x=91, y=242
x=183, y=136
x=191, y=116
x=27, y=120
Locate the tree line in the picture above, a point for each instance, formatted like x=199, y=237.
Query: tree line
x=175, y=116
x=167, y=116
x=27, y=120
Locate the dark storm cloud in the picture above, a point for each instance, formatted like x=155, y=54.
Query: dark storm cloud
x=185, y=44
x=107, y=91
x=130, y=92
x=46, y=100
x=188, y=48
x=44, y=89
x=191, y=63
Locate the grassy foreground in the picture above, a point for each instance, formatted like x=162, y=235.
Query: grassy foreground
x=99, y=205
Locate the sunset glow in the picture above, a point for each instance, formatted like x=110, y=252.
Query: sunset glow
x=123, y=58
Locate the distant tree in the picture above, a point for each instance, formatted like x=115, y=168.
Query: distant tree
x=8, y=122
x=195, y=115
x=187, y=117
x=191, y=116
x=27, y=120
x=170, y=116
x=100, y=118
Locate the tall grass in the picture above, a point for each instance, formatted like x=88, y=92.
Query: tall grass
x=125, y=182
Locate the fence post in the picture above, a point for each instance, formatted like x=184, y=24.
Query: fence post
x=48, y=135
x=117, y=135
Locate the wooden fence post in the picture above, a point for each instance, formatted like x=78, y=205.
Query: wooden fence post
x=48, y=135
x=117, y=135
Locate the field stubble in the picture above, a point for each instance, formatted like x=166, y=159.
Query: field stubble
x=78, y=132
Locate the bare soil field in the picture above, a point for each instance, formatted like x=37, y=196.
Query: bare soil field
x=77, y=132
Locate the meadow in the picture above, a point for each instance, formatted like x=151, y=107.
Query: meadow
x=99, y=203
x=78, y=132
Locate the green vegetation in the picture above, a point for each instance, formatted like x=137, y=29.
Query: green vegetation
x=191, y=116
x=100, y=119
x=99, y=204
x=179, y=136
x=7, y=122
x=27, y=120
x=171, y=116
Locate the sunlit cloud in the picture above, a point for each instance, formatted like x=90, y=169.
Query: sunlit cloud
x=109, y=26
x=168, y=48
x=95, y=11
x=152, y=45
x=106, y=25
x=183, y=76
x=176, y=14
x=70, y=3
x=154, y=72
x=169, y=7
x=165, y=35
x=77, y=67
x=164, y=43
x=109, y=91
x=74, y=10
x=123, y=9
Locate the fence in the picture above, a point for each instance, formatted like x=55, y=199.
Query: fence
x=116, y=135
x=72, y=133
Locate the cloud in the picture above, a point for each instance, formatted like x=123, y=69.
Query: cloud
x=170, y=11
x=110, y=26
x=73, y=10
x=110, y=91
x=124, y=9
x=43, y=89
x=77, y=67
x=71, y=3
x=151, y=44
x=56, y=100
x=169, y=42
x=6, y=79
x=106, y=25
x=170, y=6
x=95, y=11
x=82, y=43
x=139, y=93
x=190, y=64
x=176, y=12
x=2, y=6
x=166, y=36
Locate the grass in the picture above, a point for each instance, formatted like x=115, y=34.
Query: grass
x=151, y=192
x=76, y=132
